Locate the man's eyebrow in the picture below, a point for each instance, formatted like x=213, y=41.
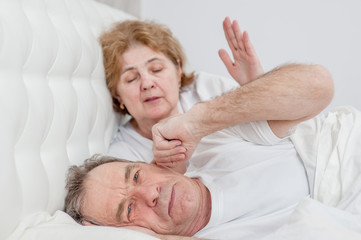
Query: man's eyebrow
x=128, y=170
x=120, y=211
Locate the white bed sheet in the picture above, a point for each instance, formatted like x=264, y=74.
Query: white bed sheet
x=313, y=220
x=330, y=147
x=61, y=226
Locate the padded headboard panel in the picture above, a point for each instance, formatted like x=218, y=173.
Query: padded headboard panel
x=54, y=105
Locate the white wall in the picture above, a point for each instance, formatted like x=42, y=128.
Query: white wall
x=327, y=32
x=130, y=6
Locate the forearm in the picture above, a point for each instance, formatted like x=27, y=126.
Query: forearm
x=284, y=97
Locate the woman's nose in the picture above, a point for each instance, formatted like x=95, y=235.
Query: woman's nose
x=147, y=82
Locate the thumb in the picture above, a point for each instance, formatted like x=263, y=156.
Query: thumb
x=225, y=59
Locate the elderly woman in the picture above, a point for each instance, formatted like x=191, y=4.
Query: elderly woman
x=145, y=75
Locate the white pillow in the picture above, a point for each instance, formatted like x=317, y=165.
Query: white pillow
x=61, y=226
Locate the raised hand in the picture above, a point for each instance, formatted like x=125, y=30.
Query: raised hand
x=246, y=66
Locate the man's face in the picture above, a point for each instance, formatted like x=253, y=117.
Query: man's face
x=139, y=194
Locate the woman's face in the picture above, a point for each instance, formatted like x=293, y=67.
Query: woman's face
x=149, y=84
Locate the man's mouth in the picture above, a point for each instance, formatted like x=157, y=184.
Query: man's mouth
x=171, y=200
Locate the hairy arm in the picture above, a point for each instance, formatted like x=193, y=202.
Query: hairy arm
x=284, y=97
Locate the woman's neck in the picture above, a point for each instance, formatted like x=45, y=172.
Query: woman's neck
x=144, y=129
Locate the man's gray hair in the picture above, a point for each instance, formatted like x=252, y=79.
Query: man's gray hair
x=75, y=184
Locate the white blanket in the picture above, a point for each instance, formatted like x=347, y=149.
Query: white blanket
x=330, y=147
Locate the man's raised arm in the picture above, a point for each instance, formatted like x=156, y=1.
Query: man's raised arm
x=284, y=97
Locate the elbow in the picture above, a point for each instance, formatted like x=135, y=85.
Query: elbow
x=323, y=85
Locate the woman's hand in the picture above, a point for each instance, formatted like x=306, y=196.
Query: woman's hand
x=246, y=66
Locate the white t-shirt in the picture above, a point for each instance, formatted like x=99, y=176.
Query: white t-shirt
x=255, y=178
x=130, y=145
x=254, y=188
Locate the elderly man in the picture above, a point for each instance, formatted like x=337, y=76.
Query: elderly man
x=242, y=182
x=124, y=193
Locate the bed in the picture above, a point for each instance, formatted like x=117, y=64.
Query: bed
x=56, y=111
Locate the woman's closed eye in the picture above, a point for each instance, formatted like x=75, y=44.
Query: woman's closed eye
x=131, y=79
x=156, y=70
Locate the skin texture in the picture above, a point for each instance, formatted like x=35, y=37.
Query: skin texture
x=145, y=195
x=244, y=68
x=284, y=97
x=148, y=87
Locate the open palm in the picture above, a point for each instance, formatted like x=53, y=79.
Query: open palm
x=246, y=66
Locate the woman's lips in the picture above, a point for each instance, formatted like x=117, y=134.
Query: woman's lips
x=171, y=201
x=151, y=99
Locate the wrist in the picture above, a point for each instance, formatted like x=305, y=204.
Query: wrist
x=201, y=120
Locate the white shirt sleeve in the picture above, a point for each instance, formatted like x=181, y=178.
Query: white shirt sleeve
x=258, y=132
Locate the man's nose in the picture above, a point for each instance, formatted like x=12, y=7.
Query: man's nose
x=147, y=81
x=149, y=193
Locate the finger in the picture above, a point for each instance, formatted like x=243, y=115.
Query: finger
x=158, y=154
x=238, y=35
x=228, y=32
x=167, y=164
x=165, y=154
x=163, y=144
x=177, y=166
x=248, y=44
x=169, y=159
x=226, y=59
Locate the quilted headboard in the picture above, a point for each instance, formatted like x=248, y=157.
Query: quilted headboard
x=54, y=105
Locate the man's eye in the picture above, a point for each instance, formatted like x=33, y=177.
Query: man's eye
x=129, y=209
x=136, y=176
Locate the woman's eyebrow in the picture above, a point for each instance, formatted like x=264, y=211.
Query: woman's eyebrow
x=147, y=62
x=155, y=59
x=127, y=69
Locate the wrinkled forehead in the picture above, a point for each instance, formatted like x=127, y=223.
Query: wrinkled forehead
x=111, y=173
x=105, y=186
